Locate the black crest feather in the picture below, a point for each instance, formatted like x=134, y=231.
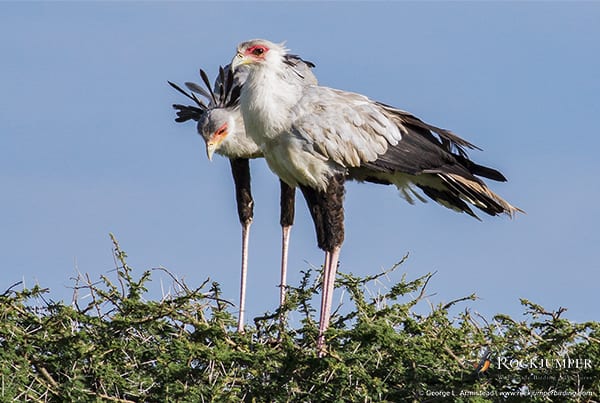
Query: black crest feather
x=226, y=94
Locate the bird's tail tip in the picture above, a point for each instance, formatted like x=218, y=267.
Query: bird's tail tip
x=479, y=195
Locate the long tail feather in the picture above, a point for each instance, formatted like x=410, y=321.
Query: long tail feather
x=479, y=195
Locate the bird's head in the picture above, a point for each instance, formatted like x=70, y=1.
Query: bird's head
x=258, y=52
x=215, y=126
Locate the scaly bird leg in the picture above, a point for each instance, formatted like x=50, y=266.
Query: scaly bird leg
x=286, y=219
x=240, y=169
x=324, y=283
x=326, y=209
x=331, y=262
x=285, y=243
x=245, y=238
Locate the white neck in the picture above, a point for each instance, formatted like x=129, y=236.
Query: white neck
x=267, y=99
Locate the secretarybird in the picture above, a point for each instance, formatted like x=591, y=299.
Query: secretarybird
x=315, y=137
x=221, y=126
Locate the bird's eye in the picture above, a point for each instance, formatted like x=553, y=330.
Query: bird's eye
x=221, y=131
x=258, y=51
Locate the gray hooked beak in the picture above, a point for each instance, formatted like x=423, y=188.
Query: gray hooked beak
x=238, y=60
x=210, y=150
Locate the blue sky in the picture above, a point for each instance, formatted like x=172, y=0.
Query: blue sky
x=89, y=145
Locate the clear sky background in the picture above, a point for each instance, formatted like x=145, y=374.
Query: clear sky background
x=88, y=144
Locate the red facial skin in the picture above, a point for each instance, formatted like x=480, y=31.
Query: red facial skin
x=219, y=134
x=256, y=52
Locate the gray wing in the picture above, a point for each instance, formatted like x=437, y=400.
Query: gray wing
x=302, y=68
x=345, y=127
x=387, y=145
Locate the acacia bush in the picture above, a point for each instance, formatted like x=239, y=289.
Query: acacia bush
x=120, y=346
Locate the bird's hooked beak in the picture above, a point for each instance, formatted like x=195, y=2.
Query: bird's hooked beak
x=238, y=60
x=215, y=140
x=210, y=150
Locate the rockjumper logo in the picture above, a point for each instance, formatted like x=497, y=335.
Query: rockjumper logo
x=484, y=363
x=535, y=363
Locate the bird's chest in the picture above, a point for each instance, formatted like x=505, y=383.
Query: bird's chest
x=266, y=102
x=296, y=163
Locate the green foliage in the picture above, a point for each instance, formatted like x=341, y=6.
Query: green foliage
x=121, y=347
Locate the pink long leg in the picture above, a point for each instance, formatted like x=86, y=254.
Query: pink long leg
x=245, y=238
x=285, y=243
x=331, y=262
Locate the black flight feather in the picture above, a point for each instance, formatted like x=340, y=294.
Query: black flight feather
x=419, y=152
x=450, y=198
